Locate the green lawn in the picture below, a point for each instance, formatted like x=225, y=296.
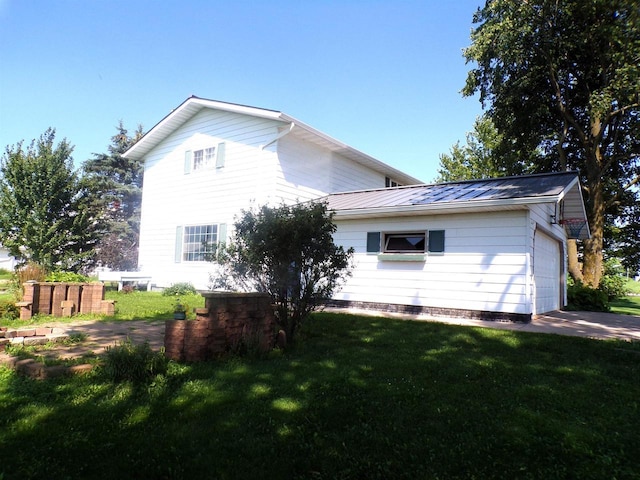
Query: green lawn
x=357, y=398
x=626, y=305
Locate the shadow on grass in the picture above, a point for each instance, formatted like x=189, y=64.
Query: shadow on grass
x=357, y=397
x=626, y=306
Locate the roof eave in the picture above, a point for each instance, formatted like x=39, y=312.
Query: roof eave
x=442, y=208
x=173, y=120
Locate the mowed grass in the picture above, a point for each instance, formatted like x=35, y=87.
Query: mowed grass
x=356, y=398
x=626, y=305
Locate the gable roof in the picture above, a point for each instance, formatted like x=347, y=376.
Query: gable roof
x=192, y=105
x=506, y=193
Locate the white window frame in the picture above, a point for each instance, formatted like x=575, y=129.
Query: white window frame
x=192, y=247
x=420, y=235
x=204, y=159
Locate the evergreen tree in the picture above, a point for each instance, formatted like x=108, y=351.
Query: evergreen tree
x=46, y=214
x=476, y=159
x=116, y=183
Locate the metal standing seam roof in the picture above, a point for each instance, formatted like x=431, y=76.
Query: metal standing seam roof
x=503, y=192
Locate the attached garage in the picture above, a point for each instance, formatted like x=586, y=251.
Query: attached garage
x=490, y=249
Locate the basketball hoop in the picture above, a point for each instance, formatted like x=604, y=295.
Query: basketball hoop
x=573, y=226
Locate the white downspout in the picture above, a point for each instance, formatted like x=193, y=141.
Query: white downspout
x=279, y=136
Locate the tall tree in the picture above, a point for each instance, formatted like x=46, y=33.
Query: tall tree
x=117, y=185
x=288, y=252
x=474, y=160
x=561, y=80
x=46, y=214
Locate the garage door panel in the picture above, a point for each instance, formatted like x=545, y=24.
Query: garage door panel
x=546, y=273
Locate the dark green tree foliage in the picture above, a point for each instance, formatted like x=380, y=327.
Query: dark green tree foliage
x=289, y=253
x=46, y=214
x=117, y=186
x=474, y=160
x=561, y=80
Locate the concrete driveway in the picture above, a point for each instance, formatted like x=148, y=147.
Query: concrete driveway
x=580, y=324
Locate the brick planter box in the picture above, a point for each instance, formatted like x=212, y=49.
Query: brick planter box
x=228, y=323
x=63, y=299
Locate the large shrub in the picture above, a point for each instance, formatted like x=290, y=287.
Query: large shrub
x=582, y=297
x=289, y=253
x=613, y=283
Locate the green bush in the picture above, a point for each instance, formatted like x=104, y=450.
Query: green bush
x=614, y=286
x=8, y=310
x=581, y=297
x=65, y=277
x=181, y=288
x=613, y=282
x=136, y=363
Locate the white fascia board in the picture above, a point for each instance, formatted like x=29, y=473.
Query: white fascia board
x=177, y=116
x=452, y=207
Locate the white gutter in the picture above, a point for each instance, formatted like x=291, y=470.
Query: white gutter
x=407, y=210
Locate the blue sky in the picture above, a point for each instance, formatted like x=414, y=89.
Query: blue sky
x=381, y=76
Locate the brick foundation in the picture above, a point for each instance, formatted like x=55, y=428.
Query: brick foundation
x=432, y=311
x=228, y=323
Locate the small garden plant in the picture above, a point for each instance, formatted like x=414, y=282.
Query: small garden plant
x=135, y=363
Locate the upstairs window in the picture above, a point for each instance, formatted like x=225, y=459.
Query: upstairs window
x=389, y=182
x=204, y=159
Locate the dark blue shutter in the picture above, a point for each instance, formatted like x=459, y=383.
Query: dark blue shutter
x=373, y=242
x=436, y=241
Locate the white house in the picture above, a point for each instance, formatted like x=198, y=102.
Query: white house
x=7, y=262
x=493, y=247
x=208, y=160
x=486, y=248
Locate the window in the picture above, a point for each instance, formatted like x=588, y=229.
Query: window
x=388, y=182
x=193, y=242
x=404, y=242
x=206, y=158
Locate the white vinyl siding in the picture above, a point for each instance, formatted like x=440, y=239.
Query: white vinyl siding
x=257, y=170
x=484, y=265
x=306, y=171
x=171, y=198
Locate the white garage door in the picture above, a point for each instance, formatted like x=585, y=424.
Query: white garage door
x=546, y=273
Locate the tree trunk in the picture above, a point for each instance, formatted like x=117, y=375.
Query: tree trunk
x=592, y=262
x=572, y=258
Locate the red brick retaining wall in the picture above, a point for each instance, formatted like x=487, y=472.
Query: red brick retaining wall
x=63, y=299
x=228, y=323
